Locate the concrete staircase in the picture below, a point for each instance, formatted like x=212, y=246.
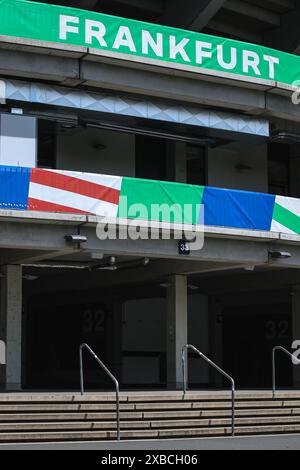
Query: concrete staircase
x=54, y=417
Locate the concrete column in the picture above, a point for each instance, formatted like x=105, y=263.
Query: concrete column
x=11, y=326
x=216, y=338
x=296, y=332
x=176, y=161
x=177, y=323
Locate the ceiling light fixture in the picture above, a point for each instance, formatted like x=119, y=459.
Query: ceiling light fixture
x=285, y=137
x=154, y=133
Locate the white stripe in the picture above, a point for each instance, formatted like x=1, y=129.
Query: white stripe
x=279, y=228
x=72, y=200
x=290, y=203
x=114, y=182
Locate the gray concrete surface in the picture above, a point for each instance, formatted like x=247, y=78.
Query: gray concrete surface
x=279, y=442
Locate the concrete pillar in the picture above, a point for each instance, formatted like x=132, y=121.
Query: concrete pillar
x=18, y=140
x=176, y=161
x=216, y=338
x=177, y=323
x=11, y=326
x=296, y=332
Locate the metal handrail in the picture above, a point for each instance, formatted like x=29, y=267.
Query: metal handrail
x=86, y=346
x=210, y=362
x=280, y=348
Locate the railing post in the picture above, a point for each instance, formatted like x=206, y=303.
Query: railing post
x=273, y=372
x=118, y=411
x=184, y=366
x=81, y=370
x=232, y=407
x=210, y=362
x=279, y=348
x=84, y=345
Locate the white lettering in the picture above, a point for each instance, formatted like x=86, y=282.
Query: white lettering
x=97, y=30
x=296, y=354
x=124, y=38
x=272, y=61
x=233, y=58
x=200, y=53
x=65, y=27
x=156, y=45
x=251, y=60
x=176, y=49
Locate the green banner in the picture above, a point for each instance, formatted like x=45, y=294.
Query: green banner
x=161, y=201
x=145, y=42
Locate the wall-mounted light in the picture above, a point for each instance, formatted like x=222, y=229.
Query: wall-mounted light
x=243, y=167
x=285, y=137
x=98, y=146
x=75, y=238
x=279, y=254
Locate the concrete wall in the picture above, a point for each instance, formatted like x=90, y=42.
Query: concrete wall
x=18, y=140
x=144, y=330
x=222, y=171
x=80, y=151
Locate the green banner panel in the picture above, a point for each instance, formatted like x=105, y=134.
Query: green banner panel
x=145, y=42
x=160, y=201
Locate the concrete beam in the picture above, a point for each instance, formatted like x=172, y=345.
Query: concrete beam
x=171, y=87
x=285, y=4
x=247, y=281
x=282, y=107
x=86, y=5
x=184, y=86
x=234, y=30
x=286, y=36
x=153, y=6
x=27, y=257
x=253, y=11
x=190, y=14
x=38, y=66
x=51, y=237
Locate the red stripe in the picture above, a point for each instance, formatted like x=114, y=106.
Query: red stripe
x=75, y=185
x=44, y=206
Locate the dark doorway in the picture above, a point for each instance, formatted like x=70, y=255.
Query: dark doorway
x=249, y=334
x=57, y=328
x=150, y=157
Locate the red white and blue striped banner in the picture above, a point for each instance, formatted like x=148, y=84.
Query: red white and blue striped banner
x=61, y=191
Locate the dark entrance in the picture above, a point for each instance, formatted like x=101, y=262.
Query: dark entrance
x=249, y=334
x=56, y=331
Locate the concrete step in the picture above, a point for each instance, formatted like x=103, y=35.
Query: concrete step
x=63, y=417
x=144, y=434
x=137, y=425
x=144, y=396
x=141, y=407
x=145, y=424
x=78, y=416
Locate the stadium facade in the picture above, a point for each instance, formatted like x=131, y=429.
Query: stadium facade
x=121, y=124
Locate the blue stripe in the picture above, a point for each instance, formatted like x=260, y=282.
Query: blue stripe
x=237, y=209
x=14, y=187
